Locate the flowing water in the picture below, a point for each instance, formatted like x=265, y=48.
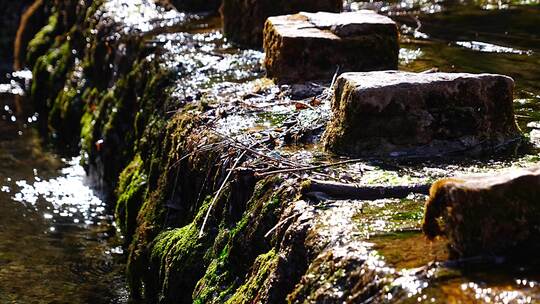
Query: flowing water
x=58, y=243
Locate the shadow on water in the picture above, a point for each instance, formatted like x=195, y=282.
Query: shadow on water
x=58, y=243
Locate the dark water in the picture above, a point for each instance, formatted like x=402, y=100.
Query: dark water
x=57, y=240
x=58, y=243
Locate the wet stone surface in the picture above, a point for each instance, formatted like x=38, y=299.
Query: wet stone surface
x=401, y=113
x=309, y=46
x=487, y=215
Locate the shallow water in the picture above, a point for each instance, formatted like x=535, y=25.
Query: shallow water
x=58, y=243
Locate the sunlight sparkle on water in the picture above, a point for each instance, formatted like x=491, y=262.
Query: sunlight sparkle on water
x=68, y=194
x=407, y=56
x=140, y=15
x=491, y=48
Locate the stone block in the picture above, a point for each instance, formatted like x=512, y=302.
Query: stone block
x=243, y=20
x=391, y=113
x=310, y=46
x=487, y=215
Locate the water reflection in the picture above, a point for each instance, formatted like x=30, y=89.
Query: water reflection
x=67, y=195
x=58, y=243
x=204, y=60
x=491, y=48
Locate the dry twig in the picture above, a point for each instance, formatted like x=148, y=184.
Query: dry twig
x=361, y=192
x=218, y=193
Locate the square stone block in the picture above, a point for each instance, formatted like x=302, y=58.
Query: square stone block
x=393, y=113
x=310, y=46
x=487, y=215
x=243, y=20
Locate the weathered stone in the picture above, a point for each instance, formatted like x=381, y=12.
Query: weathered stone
x=243, y=20
x=309, y=46
x=401, y=113
x=486, y=215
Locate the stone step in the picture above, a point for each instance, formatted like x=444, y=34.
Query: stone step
x=400, y=113
x=311, y=46
x=496, y=214
x=243, y=20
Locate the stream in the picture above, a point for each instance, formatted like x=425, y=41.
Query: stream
x=58, y=240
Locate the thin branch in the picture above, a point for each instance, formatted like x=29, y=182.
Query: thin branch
x=310, y=168
x=239, y=145
x=280, y=224
x=303, y=104
x=334, y=79
x=218, y=193
x=362, y=192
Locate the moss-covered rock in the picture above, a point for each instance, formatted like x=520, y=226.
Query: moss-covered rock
x=165, y=164
x=232, y=259
x=131, y=192
x=43, y=40
x=50, y=73
x=261, y=272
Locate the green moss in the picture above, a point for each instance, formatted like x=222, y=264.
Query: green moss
x=231, y=265
x=88, y=120
x=50, y=72
x=130, y=192
x=219, y=280
x=43, y=40
x=262, y=268
x=178, y=259
x=65, y=117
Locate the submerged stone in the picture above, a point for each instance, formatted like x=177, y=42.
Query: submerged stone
x=310, y=46
x=243, y=20
x=394, y=113
x=487, y=215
